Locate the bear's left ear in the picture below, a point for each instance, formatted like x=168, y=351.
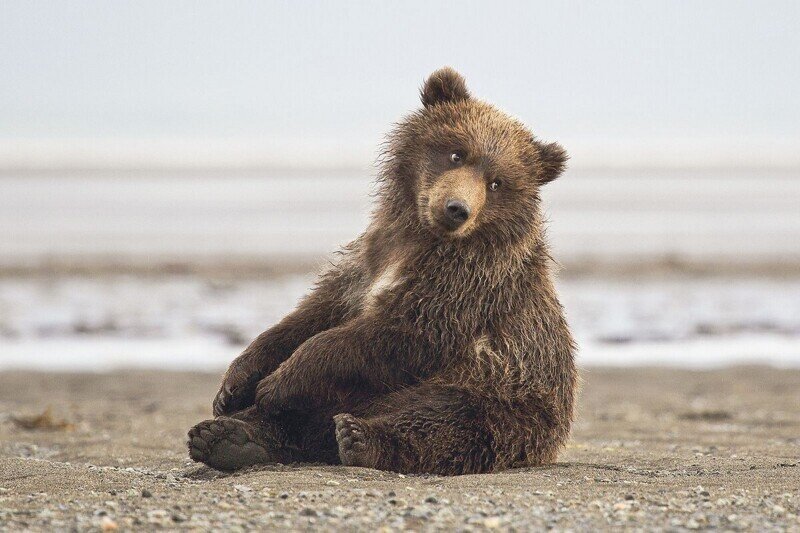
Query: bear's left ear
x=552, y=161
x=444, y=85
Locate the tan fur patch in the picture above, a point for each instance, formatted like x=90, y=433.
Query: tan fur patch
x=489, y=361
x=389, y=278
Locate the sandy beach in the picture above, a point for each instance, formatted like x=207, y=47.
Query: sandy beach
x=656, y=449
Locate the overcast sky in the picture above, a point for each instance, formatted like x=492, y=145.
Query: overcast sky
x=346, y=70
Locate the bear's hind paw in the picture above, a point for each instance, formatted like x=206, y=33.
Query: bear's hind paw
x=355, y=446
x=228, y=444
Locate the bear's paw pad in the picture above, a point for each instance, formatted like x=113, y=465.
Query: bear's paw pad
x=354, y=446
x=226, y=444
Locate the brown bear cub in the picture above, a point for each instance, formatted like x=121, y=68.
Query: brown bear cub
x=437, y=343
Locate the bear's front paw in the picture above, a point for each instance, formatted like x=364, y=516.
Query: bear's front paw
x=238, y=391
x=274, y=398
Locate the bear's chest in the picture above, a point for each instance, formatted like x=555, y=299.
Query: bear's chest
x=388, y=278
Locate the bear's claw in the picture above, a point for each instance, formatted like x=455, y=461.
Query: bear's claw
x=235, y=394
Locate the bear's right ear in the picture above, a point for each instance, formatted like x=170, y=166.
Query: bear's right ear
x=552, y=161
x=444, y=85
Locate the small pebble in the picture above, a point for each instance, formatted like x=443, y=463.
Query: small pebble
x=493, y=522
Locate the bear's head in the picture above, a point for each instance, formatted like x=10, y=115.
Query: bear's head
x=462, y=169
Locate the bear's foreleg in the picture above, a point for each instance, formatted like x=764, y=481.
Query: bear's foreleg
x=335, y=364
x=321, y=310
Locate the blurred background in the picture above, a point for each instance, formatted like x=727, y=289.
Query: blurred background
x=172, y=174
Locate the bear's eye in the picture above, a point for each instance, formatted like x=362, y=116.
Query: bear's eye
x=493, y=186
x=455, y=158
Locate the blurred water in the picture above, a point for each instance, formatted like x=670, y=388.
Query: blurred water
x=722, y=217
x=187, y=322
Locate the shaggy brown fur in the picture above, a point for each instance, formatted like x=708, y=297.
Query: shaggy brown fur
x=437, y=343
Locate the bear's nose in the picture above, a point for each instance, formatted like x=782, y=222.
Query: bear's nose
x=456, y=213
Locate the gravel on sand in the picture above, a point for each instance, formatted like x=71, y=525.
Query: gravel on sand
x=654, y=449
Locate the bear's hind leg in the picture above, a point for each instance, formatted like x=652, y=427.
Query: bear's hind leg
x=425, y=429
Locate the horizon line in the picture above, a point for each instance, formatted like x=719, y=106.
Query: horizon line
x=251, y=154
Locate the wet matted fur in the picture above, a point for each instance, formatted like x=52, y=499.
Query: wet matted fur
x=437, y=342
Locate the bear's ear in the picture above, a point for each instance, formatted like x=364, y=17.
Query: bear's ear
x=552, y=161
x=444, y=85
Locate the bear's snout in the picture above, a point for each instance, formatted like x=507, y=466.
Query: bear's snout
x=455, y=200
x=456, y=212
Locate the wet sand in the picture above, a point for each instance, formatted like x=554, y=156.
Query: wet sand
x=655, y=449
